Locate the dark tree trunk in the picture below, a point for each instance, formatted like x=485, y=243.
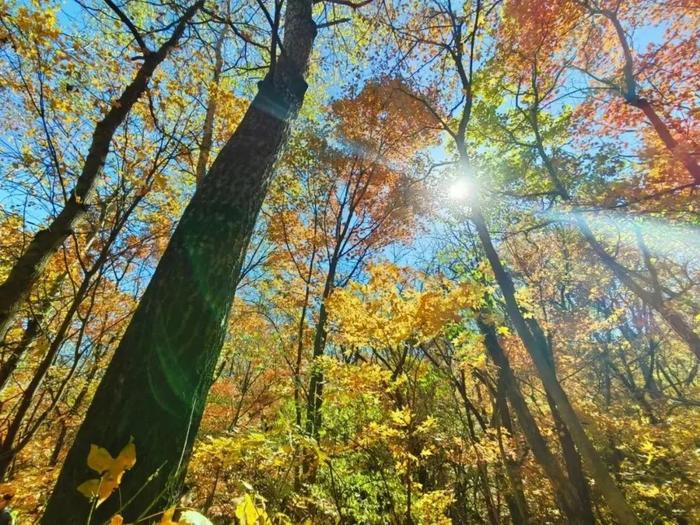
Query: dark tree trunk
x=517, y=503
x=12, y=442
x=155, y=388
x=572, y=459
x=315, y=393
x=33, y=328
x=17, y=353
x=565, y=493
x=29, y=267
x=537, y=348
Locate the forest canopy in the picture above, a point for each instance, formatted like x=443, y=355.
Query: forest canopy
x=403, y=262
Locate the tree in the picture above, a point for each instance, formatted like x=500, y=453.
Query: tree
x=458, y=46
x=28, y=268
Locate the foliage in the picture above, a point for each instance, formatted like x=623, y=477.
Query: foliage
x=567, y=130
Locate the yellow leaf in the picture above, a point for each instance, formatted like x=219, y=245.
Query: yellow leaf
x=127, y=457
x=99, y=459
x=117, y=519
x=191, y=517
x=167, y=517
x=248, y=514
x=111, y=469
x=90, y=488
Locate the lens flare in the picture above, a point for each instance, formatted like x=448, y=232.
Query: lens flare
x=460, y=189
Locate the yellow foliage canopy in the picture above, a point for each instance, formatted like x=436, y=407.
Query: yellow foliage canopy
x=396, y=306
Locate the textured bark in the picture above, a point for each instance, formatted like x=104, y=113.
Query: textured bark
x=155, y=388
x=29, y=267
x=574, y=467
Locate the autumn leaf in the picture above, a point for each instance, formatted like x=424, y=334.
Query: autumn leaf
x=111, y=470
x=167, y=517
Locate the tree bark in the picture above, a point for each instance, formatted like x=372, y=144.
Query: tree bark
x=30, y=266
x=536, y=346
x=155, y=388
x=565, y=493
x=517, y=502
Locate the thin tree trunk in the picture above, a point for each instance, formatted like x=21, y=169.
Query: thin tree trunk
x=75, y=408
x=664, y=134
x=315, y=393
x=654, y=300
x=209, y=117
x=572, y=459
x=517, y=503
x=536, y=346
x=28, y=336
x=10, y=446
x=30, y=266
x=33, y=328
x=565, y=493
x=155, y=388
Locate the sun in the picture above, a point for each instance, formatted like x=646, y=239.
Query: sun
x=460, y=189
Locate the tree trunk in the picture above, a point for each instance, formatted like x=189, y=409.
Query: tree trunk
x=33, y=328
x=572, y=459
x=517, y=503
x=315, y=393
x=155, y=388
x=665, y=135
x=565, y=493
x=29, y=267
x=536, y=346
x=11, y=446
x=208, y=131
x=28, y=336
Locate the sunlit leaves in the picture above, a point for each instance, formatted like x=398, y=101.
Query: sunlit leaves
x=111, y=471
x=389, y=309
